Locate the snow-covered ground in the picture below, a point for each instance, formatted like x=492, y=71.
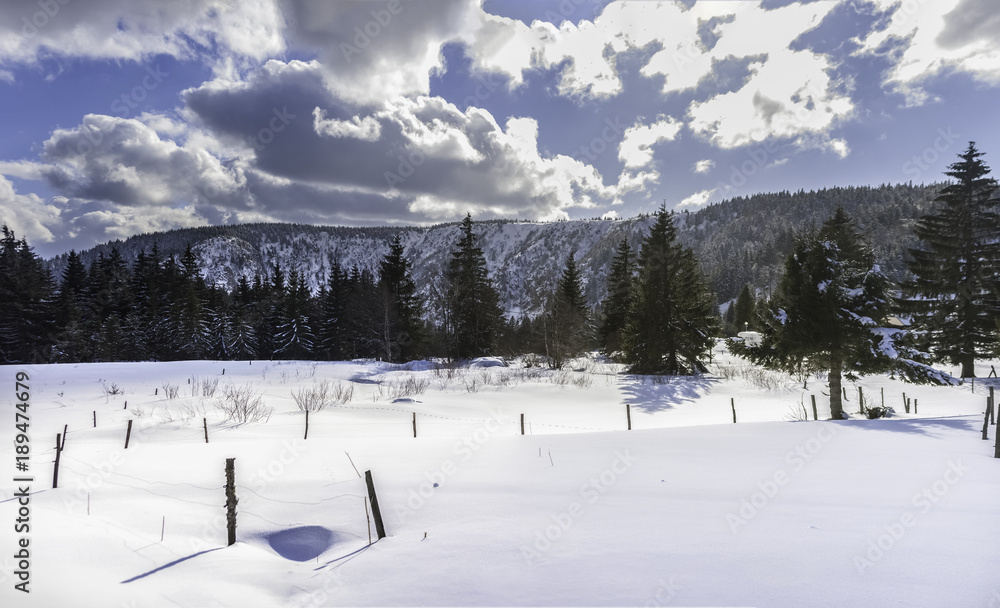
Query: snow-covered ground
x=686, y=509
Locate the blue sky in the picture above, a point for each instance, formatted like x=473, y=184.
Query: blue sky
x=123, y=117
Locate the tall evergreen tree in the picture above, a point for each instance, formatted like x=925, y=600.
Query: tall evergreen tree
x=744, y=317
x=618, y=301
x=333, y=323
x=829, y=311
x=952, y=297
x=672, y=318
x=294, y=338
x=567, y=320
x=474, y=318
x=401, y=332
x=26, y=303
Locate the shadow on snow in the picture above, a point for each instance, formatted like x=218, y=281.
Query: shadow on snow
x=660, y=393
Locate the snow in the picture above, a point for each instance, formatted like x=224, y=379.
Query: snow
x=685, y=509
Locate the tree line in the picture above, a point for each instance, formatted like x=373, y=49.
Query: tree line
x=834, y=307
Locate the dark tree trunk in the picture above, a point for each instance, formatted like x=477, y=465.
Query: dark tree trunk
x=836, y=392
x=968, y=366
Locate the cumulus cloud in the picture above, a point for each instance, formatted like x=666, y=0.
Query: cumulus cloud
x=635, y=149
x=936, y=37
x=697, y=199
x=704, y=165
x=125, y=30
x=27, y=215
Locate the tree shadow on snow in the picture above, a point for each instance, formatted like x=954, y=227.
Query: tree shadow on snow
x=921, y=426
x=171, y=564
x=660, y=393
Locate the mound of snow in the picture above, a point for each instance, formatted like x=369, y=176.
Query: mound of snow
x=487, y=362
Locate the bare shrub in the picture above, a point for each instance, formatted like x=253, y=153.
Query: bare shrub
x=472, y=384
x=583, y=380
x=407, y=387
x=113, y=389
x=313, y=398
x=242, y=404
x=203, y=387
x=170, y=391
x=342, y=393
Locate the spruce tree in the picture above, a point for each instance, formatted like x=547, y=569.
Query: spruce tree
x=952, y=297
x=672, y=318
x=26, y=303
x=567, y=320
x=618, y=301
x=474, y=318
x=829, y=313
x=294, y=338
x=401, y=332
x=744, y=310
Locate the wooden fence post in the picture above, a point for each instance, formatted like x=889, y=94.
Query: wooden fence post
x=414, y=429
x=306, y=436
x=231, y=500
x=204, y=424
x=986, y=422
x=861, y=401
x=914, y=406
x=732, y=403
x=991, y=405
x=376, y=513
x=95, y=419
x=55, y=470
x=522, y=424
x=128, y=433
x=815, y=415
x=628, y=415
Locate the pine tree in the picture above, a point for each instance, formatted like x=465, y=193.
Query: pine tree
x=568, y=333
x=829, y=311
x=672, y=318
x=618, y=301
x=26, y=303
x=401, y=332
x=294, y=338
x=952, y=297
x=744, y=310
x=474, y=318
x=333, y=324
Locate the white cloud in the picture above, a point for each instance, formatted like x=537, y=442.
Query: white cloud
x=635, y=150
x=940, y=35
x=704, y=166
x=697, y=199
x=366, y=129
x=131, y=31
x=27, y=215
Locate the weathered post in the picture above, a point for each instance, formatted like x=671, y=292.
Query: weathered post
x=128, y=433
x=628, y=415
x=376, y=513
x=55, y=470
x=231, y=500
x=732, y=403
x=815, y=415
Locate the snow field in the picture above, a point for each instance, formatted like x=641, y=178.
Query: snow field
x=687, y=509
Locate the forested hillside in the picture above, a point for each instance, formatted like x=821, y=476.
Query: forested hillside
x=740, y=241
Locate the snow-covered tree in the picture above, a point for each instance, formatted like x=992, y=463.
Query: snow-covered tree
x=830, y=313
x=953, y=296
